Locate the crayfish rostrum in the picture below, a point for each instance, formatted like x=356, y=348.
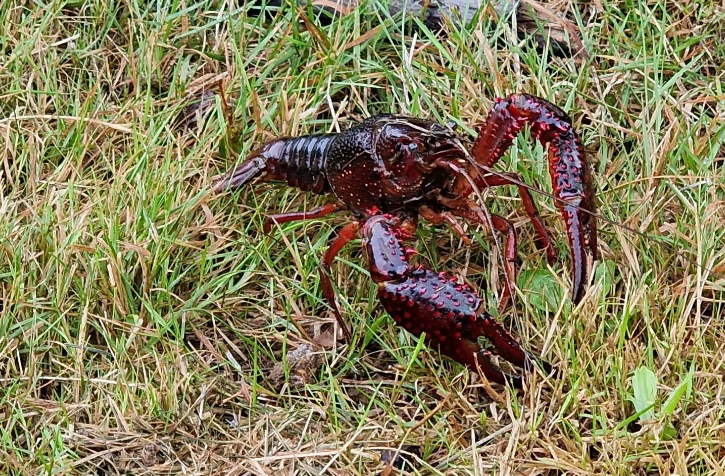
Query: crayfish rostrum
x=390, y=170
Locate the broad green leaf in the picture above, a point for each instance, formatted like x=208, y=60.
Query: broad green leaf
x=644, y=383
x=544, y=292
x=606, y=273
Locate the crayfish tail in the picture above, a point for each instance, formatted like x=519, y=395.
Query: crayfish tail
x=299, y=161
x=241, y=175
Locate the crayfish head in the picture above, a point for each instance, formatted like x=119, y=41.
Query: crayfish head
x=408, y=148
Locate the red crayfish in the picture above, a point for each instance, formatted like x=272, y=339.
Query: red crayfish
x=390, y=169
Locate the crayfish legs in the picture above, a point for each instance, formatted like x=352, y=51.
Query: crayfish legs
x=422, y=301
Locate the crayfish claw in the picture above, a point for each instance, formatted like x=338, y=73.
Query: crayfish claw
x=582, y=241
x=433, y=304
x=533, y=361
x=568, y=166
x=493, y=372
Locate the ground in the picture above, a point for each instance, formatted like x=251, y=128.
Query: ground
x=149, y=326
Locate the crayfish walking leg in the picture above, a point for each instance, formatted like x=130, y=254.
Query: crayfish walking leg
x=423, y=301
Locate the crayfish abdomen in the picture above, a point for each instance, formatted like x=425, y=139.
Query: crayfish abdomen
x=299, y=161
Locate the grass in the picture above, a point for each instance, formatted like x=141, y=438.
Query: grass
x=146, y=325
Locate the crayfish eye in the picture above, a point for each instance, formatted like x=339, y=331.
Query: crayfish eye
x=402, y=147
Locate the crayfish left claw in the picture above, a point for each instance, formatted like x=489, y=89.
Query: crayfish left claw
x=582, y=241
x=568, y=166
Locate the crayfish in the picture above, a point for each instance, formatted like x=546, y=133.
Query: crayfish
x=390, y=170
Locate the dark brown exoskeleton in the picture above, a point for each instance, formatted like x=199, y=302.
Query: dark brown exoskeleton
x=454, y=313
x=402, y=167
